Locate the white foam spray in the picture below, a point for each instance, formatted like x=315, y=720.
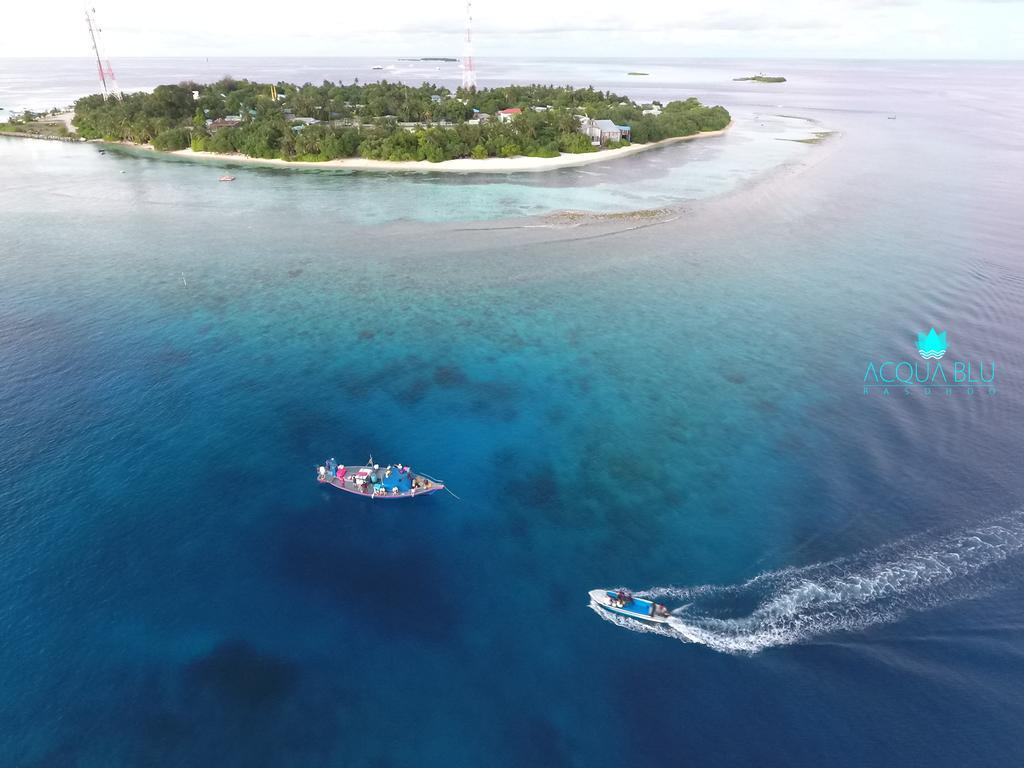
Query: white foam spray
x=796, y=605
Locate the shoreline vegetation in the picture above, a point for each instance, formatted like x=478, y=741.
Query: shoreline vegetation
x=55, y=125
x=761, y=79
x=391, y=123
x=521, y=163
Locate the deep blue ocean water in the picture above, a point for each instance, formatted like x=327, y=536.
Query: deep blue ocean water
x=672, y=405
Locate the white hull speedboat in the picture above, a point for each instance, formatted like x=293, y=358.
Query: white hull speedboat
x=625, y=604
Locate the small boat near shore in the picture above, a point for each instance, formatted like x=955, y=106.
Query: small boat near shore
x=370, y=480
x=623, y=603
x=226, y=177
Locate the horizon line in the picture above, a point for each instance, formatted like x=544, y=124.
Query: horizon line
x=649, y=59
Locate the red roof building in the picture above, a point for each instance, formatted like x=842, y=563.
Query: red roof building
x=504, y=115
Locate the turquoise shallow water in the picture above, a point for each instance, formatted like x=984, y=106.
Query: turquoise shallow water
x=754, y=146
x=677, y=405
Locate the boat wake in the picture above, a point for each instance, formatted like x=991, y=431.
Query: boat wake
x=796, y=605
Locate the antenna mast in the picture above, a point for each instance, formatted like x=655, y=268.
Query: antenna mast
x=107, y=80
x=468, y=70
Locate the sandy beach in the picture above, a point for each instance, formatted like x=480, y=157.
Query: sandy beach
x=462, y=165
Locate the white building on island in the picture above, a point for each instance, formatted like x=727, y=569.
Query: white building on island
x=602, y=131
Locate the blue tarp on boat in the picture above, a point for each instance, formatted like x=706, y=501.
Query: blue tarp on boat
x=400, y=480
x=638, y=605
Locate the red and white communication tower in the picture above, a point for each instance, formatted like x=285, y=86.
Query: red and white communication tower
x=468, y=70
x=107, y=80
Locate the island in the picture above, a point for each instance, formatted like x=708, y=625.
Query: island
x=383, y=121
x=54, y=124
x=762, y=79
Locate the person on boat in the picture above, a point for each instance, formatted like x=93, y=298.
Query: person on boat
x=623, y=598
x=321, y=472
x=341, y=473
x=659, y=610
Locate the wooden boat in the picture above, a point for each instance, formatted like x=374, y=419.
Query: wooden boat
x=376, y=482
x=624, y=603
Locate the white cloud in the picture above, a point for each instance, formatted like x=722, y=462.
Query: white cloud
x=869, y=28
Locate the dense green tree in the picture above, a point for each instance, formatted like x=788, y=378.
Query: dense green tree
x=172, y=139
x=387, y=121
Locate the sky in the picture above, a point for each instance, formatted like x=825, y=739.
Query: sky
x=945, y=29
